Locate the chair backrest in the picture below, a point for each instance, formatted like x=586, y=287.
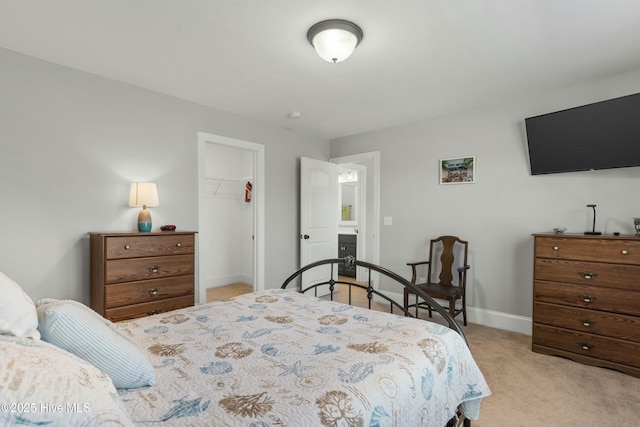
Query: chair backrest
x=453, y=254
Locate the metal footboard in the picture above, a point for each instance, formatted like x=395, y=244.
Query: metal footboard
x=367, y=286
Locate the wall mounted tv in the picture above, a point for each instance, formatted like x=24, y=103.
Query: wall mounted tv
x=603, y=135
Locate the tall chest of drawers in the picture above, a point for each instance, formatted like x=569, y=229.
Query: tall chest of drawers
x=139, y=274
x=586, y=299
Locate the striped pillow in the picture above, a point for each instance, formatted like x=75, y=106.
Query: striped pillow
x=76, y=328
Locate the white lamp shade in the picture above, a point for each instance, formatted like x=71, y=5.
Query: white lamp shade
x=143, y=194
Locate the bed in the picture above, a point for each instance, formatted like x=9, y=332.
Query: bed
x=280, y=357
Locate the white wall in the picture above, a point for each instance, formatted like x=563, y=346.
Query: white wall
x=228, y=219
x=499, y=213
x=70, y=144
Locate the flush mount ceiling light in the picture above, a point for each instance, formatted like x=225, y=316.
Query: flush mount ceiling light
x=334, y=39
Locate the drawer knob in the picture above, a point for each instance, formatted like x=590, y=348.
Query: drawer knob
x=153, y=291
x=587, y=298
x=587, y=323
x=586, y=346
x=588, y=275
x=179, y=245
x=152, y=312
x=154, y=269
x=556, y=248
x=126, y=247
x=624, y=252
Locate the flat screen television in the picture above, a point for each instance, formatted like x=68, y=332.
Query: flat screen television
x=602, y=135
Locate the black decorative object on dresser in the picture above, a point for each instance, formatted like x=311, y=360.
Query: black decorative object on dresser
x=586, y=299
x=140, y=274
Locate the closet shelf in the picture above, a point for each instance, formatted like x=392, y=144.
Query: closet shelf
x=224, y=180
x=224, y=188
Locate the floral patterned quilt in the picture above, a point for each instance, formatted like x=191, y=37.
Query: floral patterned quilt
x=281, y=358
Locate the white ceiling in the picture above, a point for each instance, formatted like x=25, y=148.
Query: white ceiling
x=418, y=58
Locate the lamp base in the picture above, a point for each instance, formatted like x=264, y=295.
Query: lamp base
x=144, y=220
x=593, y=233
x=144, y=226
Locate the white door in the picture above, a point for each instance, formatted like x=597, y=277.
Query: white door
x=318, y=216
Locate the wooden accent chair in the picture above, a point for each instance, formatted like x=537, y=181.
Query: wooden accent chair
x=453, y=258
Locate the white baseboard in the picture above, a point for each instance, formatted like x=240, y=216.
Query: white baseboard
x=248, y=279
x=481, y=316
x=499, y=320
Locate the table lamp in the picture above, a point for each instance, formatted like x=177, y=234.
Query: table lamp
x=593, y=231
x=143, y=194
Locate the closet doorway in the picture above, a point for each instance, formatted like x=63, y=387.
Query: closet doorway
x=231, y=213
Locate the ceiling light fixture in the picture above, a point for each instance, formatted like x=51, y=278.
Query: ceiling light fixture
x=335, y=39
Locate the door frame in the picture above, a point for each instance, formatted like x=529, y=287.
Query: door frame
x=258, y=197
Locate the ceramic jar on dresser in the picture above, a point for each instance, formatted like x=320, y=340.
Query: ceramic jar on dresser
x=140, y=274
x=586, y=299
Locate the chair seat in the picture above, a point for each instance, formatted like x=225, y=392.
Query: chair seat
x=436, y=290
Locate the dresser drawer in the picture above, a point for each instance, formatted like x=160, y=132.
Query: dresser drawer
x=589, y=297
x=590, y=321
x=147, y=308
x=117, y=247
x=126, y=270
x=609, y=349
x=588, y=273
x=119, y=294
x=580, y=249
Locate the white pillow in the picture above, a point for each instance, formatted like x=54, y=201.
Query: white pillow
x=76, y=328
x=17, y=312
x=44, y=385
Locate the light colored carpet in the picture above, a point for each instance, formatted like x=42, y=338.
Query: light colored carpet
x=534, y=390
x=531, y=389
x=225, y=292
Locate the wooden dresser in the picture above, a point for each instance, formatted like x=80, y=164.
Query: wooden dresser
x=139, y=274
x=586, y=299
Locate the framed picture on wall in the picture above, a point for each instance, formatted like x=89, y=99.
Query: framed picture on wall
x=458, y=170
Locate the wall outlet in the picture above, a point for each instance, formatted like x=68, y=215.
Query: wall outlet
x=421, y=279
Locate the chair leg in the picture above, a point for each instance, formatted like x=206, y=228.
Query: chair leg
x=452, y=307
x=464, y=311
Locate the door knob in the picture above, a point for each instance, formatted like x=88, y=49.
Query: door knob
x=305, y=237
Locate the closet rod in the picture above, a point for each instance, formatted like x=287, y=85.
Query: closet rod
x=224, y=180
